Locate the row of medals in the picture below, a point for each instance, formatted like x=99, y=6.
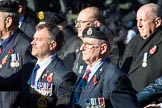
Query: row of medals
x=95, y=102
x=43, y=88
x=15, y=60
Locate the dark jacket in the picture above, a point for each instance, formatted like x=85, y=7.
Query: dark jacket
x=112, y=85
x=62, y=81
x=133, y=57
x=152, y=92
x=18, y=46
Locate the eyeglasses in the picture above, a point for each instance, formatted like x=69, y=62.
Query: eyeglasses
x=81, y=22
x=89, y=45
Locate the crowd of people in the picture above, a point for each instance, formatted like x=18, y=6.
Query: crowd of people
x=98, y=60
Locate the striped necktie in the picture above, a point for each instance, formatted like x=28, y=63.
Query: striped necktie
x=80, y=86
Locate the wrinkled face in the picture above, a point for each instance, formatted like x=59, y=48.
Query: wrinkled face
x=145, y=23
x=83, y=21
x=41, y=44
x=91, y=50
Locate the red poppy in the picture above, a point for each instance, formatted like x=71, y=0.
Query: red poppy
x=9, y=52
x=0, y=50
x=153, y=50
x=49, y=78
x=95, y=80
x=4, y=61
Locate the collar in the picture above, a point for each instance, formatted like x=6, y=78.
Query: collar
x=43, y=65
x=94, y=68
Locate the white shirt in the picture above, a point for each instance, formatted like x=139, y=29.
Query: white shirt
x=43, y=65
x=93, y=69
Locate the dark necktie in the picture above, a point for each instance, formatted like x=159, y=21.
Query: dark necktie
x=34, y=72
x=80, y=87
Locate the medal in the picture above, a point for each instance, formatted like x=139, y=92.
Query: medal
x=101, y=102
x=144, y=64
x=144, y=61
x=13, y=59
x=50, y=90
x=12, y=64
x=0, y=65
x=87, y=103
x=17, y=64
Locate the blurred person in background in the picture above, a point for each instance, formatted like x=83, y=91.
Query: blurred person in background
x=27, y=18
x=14, y=49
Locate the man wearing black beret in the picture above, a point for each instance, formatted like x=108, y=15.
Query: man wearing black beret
x=102, y=85
x=14, y=49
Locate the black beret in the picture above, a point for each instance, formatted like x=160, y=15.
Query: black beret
x=8, y=6
x=51, y=17
x=94, y=32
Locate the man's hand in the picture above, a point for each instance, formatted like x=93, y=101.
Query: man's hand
x=153, y=106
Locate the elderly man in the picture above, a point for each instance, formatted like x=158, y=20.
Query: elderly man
x=14, y=48
x=102, y=85
x=90, y=16
x=142, y=57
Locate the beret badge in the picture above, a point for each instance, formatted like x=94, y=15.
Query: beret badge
x=89, y=31
x=41, y=15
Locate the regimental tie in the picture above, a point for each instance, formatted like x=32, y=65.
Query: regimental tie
x=80, y=87
x=34, y=72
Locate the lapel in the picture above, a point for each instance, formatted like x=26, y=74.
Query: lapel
x=50, y=69
x=80, y=76
x=90, y=85
x=156, y=40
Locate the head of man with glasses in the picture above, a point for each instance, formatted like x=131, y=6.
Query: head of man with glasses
x=95, y=45
x=90, y=16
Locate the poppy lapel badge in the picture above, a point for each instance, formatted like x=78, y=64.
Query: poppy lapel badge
x=95, y=80
x=4, y=60
x=153, y=49
x=49, y=77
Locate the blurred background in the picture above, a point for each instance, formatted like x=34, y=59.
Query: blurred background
x=123, y=10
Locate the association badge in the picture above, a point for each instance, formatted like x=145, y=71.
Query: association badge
x=42, y=102
x=89, y=31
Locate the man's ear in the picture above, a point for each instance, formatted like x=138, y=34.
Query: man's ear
x=53, y=45
x=104, y=48
x=8, y=22
x=97, y=23
x=158, y=22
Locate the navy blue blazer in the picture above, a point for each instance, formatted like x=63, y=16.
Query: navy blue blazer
x=112, y=85
x=62, y=82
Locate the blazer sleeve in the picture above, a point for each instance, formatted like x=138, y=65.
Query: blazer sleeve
x=123, y=95
x=150, y=93
x=118, y=89
x=65, y=89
